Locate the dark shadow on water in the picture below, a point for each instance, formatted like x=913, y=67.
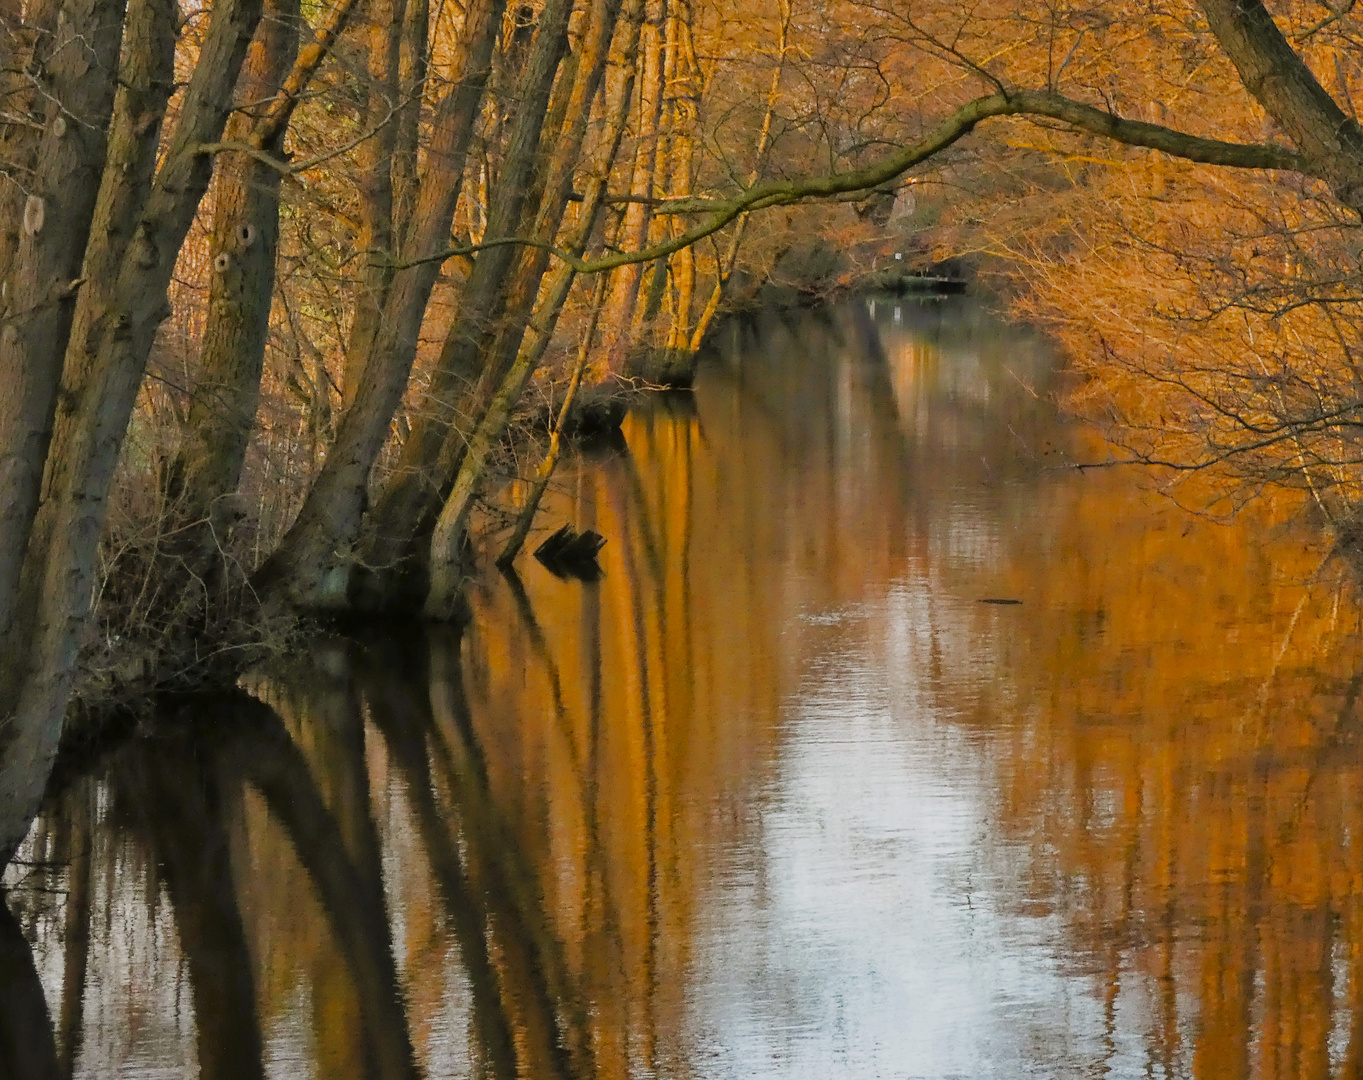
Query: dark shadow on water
x=27, y=1048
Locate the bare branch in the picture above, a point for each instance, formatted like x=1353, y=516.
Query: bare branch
x=960, y=123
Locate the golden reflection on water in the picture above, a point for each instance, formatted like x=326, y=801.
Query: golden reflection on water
x=778, y=795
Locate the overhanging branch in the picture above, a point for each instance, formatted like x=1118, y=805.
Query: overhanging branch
x=1082, y=117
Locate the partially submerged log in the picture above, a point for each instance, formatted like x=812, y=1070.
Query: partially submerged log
x=569, y=553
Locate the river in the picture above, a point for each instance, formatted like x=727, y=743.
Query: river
x=787, y=792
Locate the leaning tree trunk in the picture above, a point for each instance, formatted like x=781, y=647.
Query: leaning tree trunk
x=140, y=220
x=526, y=519
x=442, y=598
x=407, y=511
x=1280, y=81
x=411, y=494
x=310, y=568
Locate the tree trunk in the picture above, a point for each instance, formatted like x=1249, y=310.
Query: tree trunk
x=685, y=92
x=526, y=519
x=29, y=42
x=38, y=295
x=244, y=241
x=140, y=220
x=634, y=230
x=310, y=568
x=724, y=265
x=375, y=158
x=442, y=598
x=412, y=70
x=1278, y=78
x=484, y=353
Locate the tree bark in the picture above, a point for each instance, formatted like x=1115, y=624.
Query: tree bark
x=37, y=298
x=245, y=239
x=1278, y=78
x=413, y=491
x=140, y=220
x=375, y=155
x=311, y=566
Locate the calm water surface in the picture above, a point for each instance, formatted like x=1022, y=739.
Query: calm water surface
x=778, y=796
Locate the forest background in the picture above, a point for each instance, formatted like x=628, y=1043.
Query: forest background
x=284, y=286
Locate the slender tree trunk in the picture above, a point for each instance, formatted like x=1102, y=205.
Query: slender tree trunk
x=412, y=70
x=406, y=513
x=546, y=468
x=724, y=266
x=244, y=242
x=140, y=220
x=311, y=566
x=375, y=157
x=442, y=598
x=634, y=230
x=685, y=85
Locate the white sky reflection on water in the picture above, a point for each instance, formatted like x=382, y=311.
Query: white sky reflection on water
x=874, y=937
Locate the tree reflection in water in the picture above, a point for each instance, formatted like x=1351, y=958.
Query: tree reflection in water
x=668, y=823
